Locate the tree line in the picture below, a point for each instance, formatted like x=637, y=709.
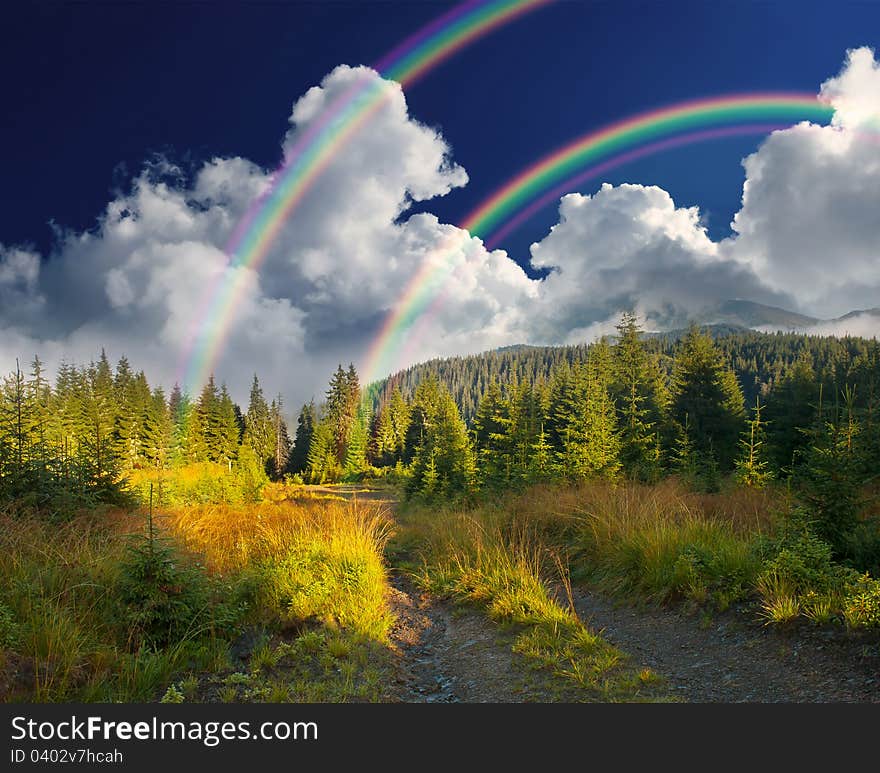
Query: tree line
x=759, y=405
x=95, y=423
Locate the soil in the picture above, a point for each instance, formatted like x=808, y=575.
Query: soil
x=733, y=657
x=448, y=654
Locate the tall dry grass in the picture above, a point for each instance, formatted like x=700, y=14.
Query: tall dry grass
x=68, y=637
x=309, y=560
x=505, y=563
x=65, y=630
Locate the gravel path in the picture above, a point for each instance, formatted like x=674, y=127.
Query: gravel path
x=733, y=658
x=450, y=655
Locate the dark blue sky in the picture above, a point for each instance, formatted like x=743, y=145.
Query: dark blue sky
x=93, y=90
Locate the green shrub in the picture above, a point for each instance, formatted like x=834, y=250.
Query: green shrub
x=167, y=601
x=862, y=547
x=9, y=629
x=801, y=559
x=861, y=606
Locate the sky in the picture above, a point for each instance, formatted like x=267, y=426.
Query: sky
x=139, y=133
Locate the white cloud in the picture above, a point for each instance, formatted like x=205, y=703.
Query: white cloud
x=806, y=236
x=137, y=284
x=630, y=247
x=808, y=223
x=855, y=92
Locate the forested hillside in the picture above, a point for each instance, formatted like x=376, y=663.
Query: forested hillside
x=716, y=470
x=760, y=360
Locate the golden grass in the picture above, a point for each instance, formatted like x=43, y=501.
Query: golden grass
x=318, y=560
x=502, y=563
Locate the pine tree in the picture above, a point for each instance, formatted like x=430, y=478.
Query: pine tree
x=637, y=390
x=322, y=465
x=356, y=451
x=305, y=427
x=752, y=469
x=15, y=419
x=540, y=463
x=39, y=396
x=833, y=475
x=156, y=430
x=259, y=429
x=491, y=437
x=180, y=410
x=791, y=412
x=205, y=444
x=228, y=429
x=339, y=411
x=101, y=415
x=280, y=439
x=382, y=446
x=706, y=391
x=399, y=414
x=526, y=423
x=444, y=447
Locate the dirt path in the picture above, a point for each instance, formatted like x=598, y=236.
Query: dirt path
x=450, y=655
x=733, y=658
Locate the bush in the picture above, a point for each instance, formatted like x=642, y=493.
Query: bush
x=9, y=630
x=862, y=547
x=861, y=607
x=801, y=560
x=167, y=601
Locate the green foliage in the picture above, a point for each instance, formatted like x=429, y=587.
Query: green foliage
x=705, y=393
x=164, y=601
x=833, y=475
x=259, y=434
x=752, y=469
x=10, y=631
x=305, y=427
x=862, y=604
x=443, y=461
x=640, y=394
x=862, y=547
x=801, y=559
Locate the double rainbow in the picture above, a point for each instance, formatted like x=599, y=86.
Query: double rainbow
x=312, y=153
x=587, y=156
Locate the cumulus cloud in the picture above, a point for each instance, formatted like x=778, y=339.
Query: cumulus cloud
x=805, y=238
x=137, y=283
x=630, y=247
x=808, y=222
x=855, y=92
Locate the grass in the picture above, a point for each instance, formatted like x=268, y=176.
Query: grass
x=292, y=569
x=315, y=561
x=488, y=559
x=661, y=543
x=70, y=640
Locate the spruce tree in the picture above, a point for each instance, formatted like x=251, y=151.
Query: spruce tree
x=180, y=410
x=491, y=437
x=706, y=392
x=444, y=447
x=637, y=390
x=259, y=430
x=280, y=439
x=305, y=427
x=752, y=468
x=228, y=429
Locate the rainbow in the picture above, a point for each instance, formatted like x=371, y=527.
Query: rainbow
x=310, y=156
x=587, y=156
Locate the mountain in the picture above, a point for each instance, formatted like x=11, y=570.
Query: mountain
x=875, y=312
x=758, y=316
x=748, y=314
